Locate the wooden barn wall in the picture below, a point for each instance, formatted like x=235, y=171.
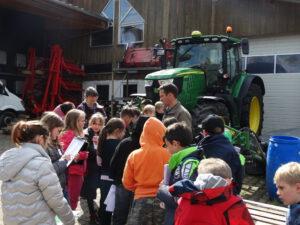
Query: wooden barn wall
x=173, y=18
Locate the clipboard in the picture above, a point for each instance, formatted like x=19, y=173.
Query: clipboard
x=74, y=147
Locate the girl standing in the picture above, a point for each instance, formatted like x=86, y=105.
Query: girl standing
x=55, y=124
x=31, y=193
x=110, y=137
x=91, y=180
x=74, y=122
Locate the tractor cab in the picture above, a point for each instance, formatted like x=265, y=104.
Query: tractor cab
x=202, y=65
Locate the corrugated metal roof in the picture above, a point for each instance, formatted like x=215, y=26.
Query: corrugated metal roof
x=60, y=12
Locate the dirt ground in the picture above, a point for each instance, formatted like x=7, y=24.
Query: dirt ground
x=254, y=188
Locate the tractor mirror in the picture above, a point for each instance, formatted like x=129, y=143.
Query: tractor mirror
x=245, y=46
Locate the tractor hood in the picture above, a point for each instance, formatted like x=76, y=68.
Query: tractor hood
x=172, y=73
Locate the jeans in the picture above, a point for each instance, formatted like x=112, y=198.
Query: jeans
x=122, y=205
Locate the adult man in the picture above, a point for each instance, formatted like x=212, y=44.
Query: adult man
x=216, y=145
x=168, y=95
x=90, y=105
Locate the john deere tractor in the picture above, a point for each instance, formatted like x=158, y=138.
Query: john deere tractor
x=207, y=69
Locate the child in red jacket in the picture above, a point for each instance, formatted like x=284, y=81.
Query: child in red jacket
x=210, y=200
x=74, y=123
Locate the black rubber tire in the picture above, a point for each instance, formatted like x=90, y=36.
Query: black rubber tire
x=6, y=118
x=254, y=91
x=204, y=109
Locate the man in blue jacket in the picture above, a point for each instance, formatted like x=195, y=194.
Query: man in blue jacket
x=216, y=145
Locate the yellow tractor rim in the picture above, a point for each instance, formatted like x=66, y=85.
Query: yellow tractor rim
x=254, y=114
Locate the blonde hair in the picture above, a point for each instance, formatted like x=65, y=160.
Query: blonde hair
x=159, y=105
x=215, y=166
x=95, y=117
x=149, y=109
x=288, y=173
x=71, y=120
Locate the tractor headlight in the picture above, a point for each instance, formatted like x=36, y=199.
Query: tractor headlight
x=167, y=81
x=148, y=83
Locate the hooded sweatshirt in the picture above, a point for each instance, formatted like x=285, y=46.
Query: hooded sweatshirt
x=31, y=192
x=209, y=200
x=144, y=167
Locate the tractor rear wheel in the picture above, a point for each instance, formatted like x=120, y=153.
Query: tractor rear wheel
x=252, y=109
x=203, y=109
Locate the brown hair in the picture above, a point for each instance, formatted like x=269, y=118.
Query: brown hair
x=112, y=125
x=71, y=120
x=179, y=132
x=51, y=120
x=169, y=88
x=26, y=131
x=149, y=109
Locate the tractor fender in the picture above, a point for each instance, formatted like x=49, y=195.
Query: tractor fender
x=247, y=83
x=208, y=98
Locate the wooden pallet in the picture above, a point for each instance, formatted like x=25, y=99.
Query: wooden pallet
x=264, y=214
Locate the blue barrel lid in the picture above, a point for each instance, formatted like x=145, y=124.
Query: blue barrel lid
x=285, y=139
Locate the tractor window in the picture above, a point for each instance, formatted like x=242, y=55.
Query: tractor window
x=199, y=55
x=232, y=63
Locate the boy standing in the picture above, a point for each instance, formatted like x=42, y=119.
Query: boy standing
x=210, y=200
x=144, y=171
x=287, y=180
x=182, y=164
x=216, y=145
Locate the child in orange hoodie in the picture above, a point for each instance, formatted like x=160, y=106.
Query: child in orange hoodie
x=143, y=173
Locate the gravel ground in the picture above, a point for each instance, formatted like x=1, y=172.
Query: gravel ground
x=253, y=189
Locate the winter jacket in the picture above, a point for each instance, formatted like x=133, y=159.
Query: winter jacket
x=31, y=193
x=79, y=167
x=180, y=113
x=293, y=216
x=218, y=146
x=144, y=167
x=60, y=166
x=90, y=111
x=183, y=165
x=209, y=200
x=124, y=148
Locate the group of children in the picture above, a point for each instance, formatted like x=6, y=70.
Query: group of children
x=158, y=175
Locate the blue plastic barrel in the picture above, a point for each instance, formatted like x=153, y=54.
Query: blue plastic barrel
x=281, y=150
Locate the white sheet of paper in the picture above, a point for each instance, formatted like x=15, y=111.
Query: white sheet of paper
x=74, y=148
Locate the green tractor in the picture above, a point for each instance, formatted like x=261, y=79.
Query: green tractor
x=207, y=69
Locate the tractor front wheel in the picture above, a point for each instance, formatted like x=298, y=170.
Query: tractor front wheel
x=252, y=109
x=203, y=109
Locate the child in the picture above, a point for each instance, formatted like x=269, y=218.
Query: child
x=90, y=105
x=182, y=164
x=124, y=197
x=216, y=145
x=62, y=109
x=55, y=124
x=287, y=179
x=149, y=110
x=74, y=123
x=109, y=138
x=129, y=115
x=31, y=193
x=92, y=177
x=159, y=110
x=144, y=171
x=210, y=200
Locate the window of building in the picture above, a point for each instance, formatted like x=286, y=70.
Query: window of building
x=260, y=64
x=131, y=24
x=288, y=63
x=128, y=90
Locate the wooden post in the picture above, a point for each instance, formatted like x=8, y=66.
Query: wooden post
x=166, y=20
x=114, y=55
